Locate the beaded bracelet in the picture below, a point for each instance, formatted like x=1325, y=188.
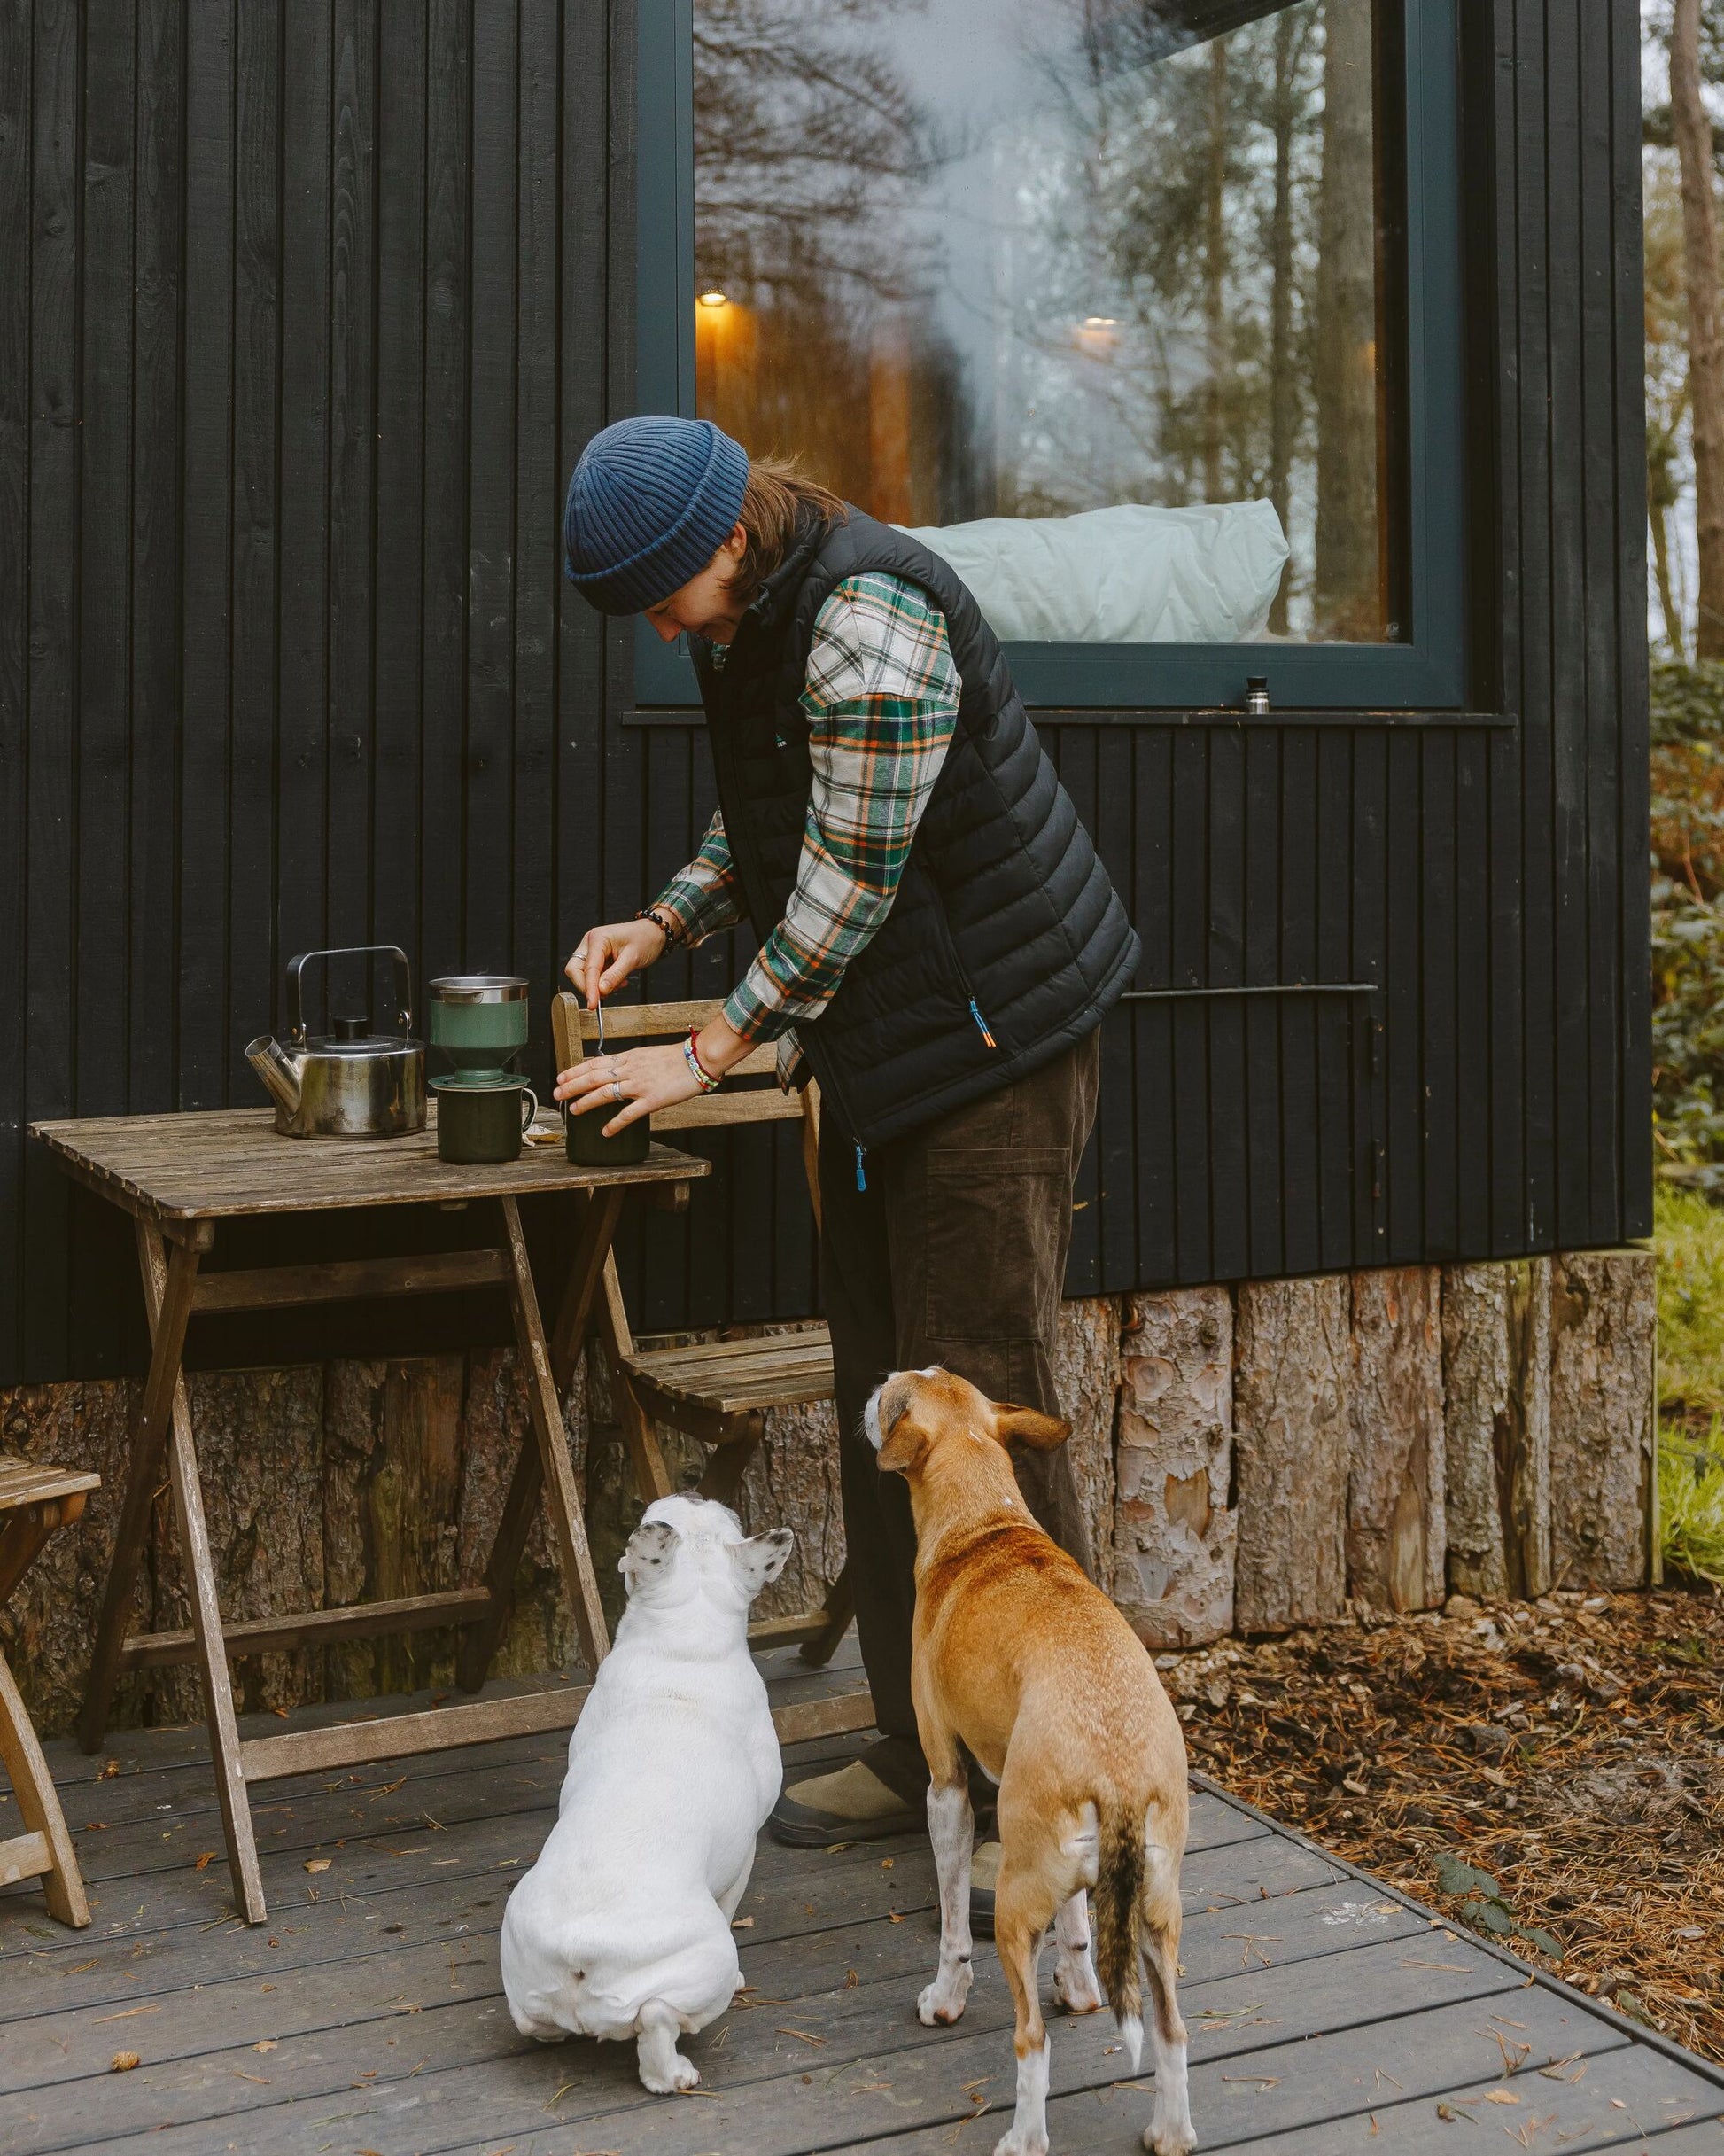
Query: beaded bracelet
x=664, y=922
x=702, y=1077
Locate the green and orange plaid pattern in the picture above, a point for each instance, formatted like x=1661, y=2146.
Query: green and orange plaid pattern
x=881, y=699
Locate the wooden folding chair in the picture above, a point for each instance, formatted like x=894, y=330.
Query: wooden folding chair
x=34, y=1501
x=717, y=1393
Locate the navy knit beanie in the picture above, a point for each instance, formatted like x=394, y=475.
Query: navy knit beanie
x=651, y=501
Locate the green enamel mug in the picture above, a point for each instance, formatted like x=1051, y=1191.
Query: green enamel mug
x=481, y=1120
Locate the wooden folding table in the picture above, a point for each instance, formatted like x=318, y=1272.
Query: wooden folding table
x=178, y=1176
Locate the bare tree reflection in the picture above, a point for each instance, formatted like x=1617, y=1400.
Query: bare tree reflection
x=1150, y=275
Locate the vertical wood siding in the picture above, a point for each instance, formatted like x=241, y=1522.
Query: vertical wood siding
x=304, y=313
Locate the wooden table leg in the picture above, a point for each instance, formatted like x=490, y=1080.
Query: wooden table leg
x=479, y=1642
x=604, y=1210
x=168, y=1314
x=206, y=1610
x=39, y=1805
x=561, y=1496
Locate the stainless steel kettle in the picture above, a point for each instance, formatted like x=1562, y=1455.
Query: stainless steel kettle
x=350, y=1082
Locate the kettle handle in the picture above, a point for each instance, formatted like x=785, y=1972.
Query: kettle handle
x=403, y=984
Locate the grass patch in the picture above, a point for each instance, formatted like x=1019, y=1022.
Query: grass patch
x=1689, y=1232
x=1691, y=1505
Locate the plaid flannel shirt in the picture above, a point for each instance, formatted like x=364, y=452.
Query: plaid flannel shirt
x=881, y=699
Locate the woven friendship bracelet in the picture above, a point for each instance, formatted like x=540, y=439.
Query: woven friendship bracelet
x=702, y=1077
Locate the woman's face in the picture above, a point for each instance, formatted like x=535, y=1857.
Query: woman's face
x=703, y=605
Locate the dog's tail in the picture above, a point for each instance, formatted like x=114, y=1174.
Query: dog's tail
x=1116, y=1900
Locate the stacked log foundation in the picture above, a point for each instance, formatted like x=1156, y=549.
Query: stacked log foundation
x=1249, y=1458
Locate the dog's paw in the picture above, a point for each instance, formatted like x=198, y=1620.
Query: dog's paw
x=943, y=2000
x=1025, y=2143
x=1075, y=1985
x=682, y=2074
x=1169, y=2136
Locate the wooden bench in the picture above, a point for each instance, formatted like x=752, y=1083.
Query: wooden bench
x=718, y=1391
x=34, y=1501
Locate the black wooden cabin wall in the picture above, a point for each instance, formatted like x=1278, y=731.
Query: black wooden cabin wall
x=305, y=312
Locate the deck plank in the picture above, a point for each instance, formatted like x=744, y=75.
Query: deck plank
x=325, y=2035
x=475, y=1840
x=856, y=1889
x=1321, y=2095
x=1627, y=2094
x=1316, y=1998
x=791, y=1892
x=772, y=2091
x=893, y=2073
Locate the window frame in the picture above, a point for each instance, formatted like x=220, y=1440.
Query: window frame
x=1427, y=670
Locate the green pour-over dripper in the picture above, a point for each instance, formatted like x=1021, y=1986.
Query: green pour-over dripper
x=479, y=1022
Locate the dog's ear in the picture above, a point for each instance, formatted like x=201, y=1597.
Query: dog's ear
x=648, y=1551
x=762, y=1558
x=901, y=1449
x=1029, y=1426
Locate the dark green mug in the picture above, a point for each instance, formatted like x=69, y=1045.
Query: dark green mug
x=590, y=1148
x=480, y=1121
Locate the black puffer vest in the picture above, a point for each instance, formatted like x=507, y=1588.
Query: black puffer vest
x=1006, y=942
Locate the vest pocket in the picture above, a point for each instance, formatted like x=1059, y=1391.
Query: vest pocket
x=976, y=1013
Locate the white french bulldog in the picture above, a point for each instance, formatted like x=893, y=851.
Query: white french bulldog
x=622, y=1928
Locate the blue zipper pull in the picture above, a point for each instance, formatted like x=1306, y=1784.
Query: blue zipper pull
x=861, y=1172
x=983, y=1024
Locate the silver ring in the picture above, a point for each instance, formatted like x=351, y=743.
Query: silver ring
x=616, y=1089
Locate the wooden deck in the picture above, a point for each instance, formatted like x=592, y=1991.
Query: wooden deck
x=1328, y=2014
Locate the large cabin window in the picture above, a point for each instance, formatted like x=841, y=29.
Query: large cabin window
x=1124, y=307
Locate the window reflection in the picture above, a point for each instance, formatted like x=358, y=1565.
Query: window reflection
x=998, y=265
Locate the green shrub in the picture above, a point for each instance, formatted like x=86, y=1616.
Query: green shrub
x=1688, y=1234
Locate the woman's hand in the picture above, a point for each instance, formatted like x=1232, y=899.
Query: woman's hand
x=639, y=1080
x=631, y=1085
x=604, y=958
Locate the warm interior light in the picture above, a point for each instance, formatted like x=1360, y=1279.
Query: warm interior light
x=714, y=299
x=1099, y=322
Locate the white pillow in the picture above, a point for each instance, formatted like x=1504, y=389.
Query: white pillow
x=1131, y=574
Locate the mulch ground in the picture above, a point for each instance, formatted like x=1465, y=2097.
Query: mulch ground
x=1552, y=1774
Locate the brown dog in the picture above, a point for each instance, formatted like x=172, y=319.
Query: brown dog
x=1018, y=1656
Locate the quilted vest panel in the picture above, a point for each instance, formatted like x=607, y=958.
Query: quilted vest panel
x=1006, y=943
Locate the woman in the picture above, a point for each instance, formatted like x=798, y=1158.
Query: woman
x=939, y=944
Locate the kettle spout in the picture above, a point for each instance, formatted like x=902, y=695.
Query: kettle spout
x=268, y=1058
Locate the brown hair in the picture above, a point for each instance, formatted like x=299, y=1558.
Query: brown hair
x=774, y=501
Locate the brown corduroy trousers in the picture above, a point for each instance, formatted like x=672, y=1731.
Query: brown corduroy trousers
x=955, y=1253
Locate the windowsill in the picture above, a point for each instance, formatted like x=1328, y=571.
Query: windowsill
x=675, y=715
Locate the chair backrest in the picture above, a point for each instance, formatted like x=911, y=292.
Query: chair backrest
x=750, y=1093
